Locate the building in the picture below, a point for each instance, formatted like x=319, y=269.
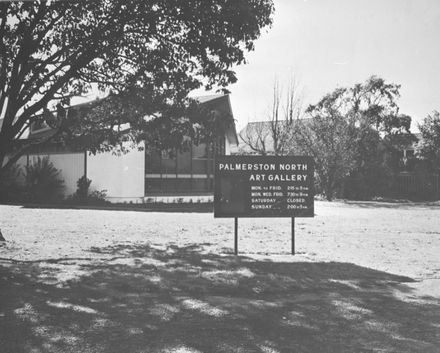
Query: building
x=191, y=170
x=257, y=138
x=269, y=136
x=142, y=173
x=408, y=155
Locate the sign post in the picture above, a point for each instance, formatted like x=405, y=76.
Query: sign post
x=263, y=186
x=293, y=235
x=236, y=235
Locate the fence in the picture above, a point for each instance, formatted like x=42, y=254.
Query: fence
x=418, y=186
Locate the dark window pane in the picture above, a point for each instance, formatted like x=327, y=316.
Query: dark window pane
x=169, y=186
x=168, y=166
x=199, y=185
x=199, y=151
x=152, y=163
x=199, y=166
x=184, y=162
x=183, y=185
x=152, y=185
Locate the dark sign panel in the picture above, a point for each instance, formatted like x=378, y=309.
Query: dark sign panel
x=263, y=186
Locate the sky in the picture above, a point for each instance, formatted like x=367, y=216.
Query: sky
x=335, y=43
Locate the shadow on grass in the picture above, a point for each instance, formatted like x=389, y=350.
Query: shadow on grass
x=144, y=299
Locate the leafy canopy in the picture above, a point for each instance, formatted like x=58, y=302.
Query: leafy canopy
x=352, y=129
x=150, y=52
x=428, y=147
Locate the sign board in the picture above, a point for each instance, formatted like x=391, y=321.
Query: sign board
x=263, y=186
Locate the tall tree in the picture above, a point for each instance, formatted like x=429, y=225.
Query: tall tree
x=353, y=131
x=273, y=135
x=150, y=54
x=327, y=136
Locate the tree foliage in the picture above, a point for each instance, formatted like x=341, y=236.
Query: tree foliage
x=150, y=54
x=354, y=132
x=43, y=181
x=428, y=147
x=11, y=184
x=84, y=196
x=327, y=136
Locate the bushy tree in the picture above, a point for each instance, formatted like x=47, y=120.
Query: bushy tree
x=149, y=54
x=11, y=187
x=84, y=196
x=381, y=135
x=328, y=137
x=355, y=135
x=43, y=181
x=83, y=185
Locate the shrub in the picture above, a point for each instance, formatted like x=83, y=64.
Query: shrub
x=43, y=182
x=98, y=197
x=11, y=189
x=83, y=185
x=82, y=196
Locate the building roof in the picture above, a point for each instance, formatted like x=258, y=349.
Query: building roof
x=209, y=98
x=259, y=133
x=218, y=101
x=222, y=103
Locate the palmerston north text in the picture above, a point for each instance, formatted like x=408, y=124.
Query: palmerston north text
x=265, y=186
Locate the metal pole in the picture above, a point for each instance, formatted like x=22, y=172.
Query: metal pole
x=293, y=235
x=236, y=235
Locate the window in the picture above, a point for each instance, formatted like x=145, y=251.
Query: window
x=165, y=154
x=200, y=159
x=39, y=125
x=199, y=151
x=184, y=162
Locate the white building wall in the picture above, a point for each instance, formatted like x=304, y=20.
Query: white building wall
x=230, y=147
x=227, y=147
x=123, y=176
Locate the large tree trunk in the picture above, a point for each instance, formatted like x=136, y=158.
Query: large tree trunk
x=329, y=195
x=329, y=189
x=2, y=151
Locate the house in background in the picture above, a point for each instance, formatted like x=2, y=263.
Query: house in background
x=268, y=136
x=256, y=138
x=141, y=173
x=408, y=154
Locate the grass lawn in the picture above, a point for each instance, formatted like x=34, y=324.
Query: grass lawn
x=366, y=279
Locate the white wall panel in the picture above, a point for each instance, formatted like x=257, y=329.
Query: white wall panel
x=122, y=176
